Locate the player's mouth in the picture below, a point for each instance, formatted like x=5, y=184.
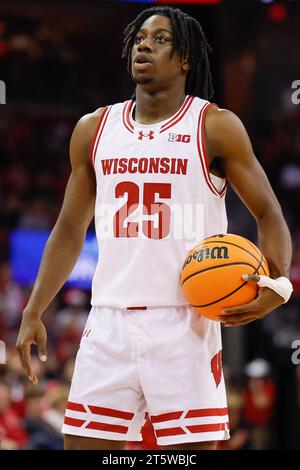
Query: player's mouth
x=142, y=61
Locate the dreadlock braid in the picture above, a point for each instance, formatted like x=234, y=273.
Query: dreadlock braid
x=188, y=41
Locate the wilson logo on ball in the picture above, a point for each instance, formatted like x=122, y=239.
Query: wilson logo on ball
x=217, y=252
x=211, y=276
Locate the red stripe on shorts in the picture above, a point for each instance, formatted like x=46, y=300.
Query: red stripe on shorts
x=75, y=407
x=206, y=427
x=136, y=308
x=107, y=427
x=198, y=428
x=169, y=432
x=166, y=417
x=73, y=422
x=207, y=412
x=98, y=410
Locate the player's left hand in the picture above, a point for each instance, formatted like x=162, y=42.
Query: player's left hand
x=266, y=301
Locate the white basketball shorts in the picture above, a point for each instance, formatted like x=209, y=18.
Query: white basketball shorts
x=165, y=361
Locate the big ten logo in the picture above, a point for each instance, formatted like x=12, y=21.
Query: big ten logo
x=296, y=353
x=185, y=138
x=296, y=94
x=2, y=92
x=2, y=352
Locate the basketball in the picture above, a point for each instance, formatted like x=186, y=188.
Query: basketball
x=211, y=275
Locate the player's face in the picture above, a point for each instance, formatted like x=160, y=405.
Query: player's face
x=152, y=59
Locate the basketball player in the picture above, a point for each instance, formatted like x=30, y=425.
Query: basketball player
x=144, y=349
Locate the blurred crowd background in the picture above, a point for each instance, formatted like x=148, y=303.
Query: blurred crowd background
x=61, y=60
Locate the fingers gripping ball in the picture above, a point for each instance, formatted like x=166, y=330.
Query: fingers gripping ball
x=211, y=275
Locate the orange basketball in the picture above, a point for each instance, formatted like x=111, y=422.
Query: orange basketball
x=211, y=274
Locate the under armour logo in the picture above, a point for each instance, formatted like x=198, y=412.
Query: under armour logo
x=149, y=134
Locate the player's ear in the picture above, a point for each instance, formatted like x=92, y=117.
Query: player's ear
x=185, y=65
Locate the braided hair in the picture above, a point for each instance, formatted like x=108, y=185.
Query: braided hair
x=188, y=41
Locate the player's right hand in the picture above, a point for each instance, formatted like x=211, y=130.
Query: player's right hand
x=32, y=331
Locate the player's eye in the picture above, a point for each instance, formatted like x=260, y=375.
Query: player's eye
x=138, y=38
x=161, y=39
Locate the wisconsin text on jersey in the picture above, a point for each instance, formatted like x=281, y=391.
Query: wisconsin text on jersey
x=175, y=166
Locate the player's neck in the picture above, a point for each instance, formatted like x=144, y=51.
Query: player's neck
x=156, y=107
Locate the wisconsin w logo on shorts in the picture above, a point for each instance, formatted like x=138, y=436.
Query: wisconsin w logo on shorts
x=216, y=367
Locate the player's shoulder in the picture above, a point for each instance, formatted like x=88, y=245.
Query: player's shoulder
x=88, y=123
x=221, y=121
x=217, y=115
x=86, y=126
x=85, y=131
x=82, y=137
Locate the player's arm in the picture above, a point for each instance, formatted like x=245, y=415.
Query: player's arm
x=65, y=242
x=228, y=140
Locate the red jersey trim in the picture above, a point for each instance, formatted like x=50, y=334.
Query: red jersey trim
x=98, y=133
x=179, y=115
x=203, y=154
x=126, y=116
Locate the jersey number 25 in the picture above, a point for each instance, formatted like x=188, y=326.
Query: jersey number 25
x=150, y=208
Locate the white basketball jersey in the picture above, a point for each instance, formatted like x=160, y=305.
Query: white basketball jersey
x=155, y=200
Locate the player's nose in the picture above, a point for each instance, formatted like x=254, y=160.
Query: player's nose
x=144, y=45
